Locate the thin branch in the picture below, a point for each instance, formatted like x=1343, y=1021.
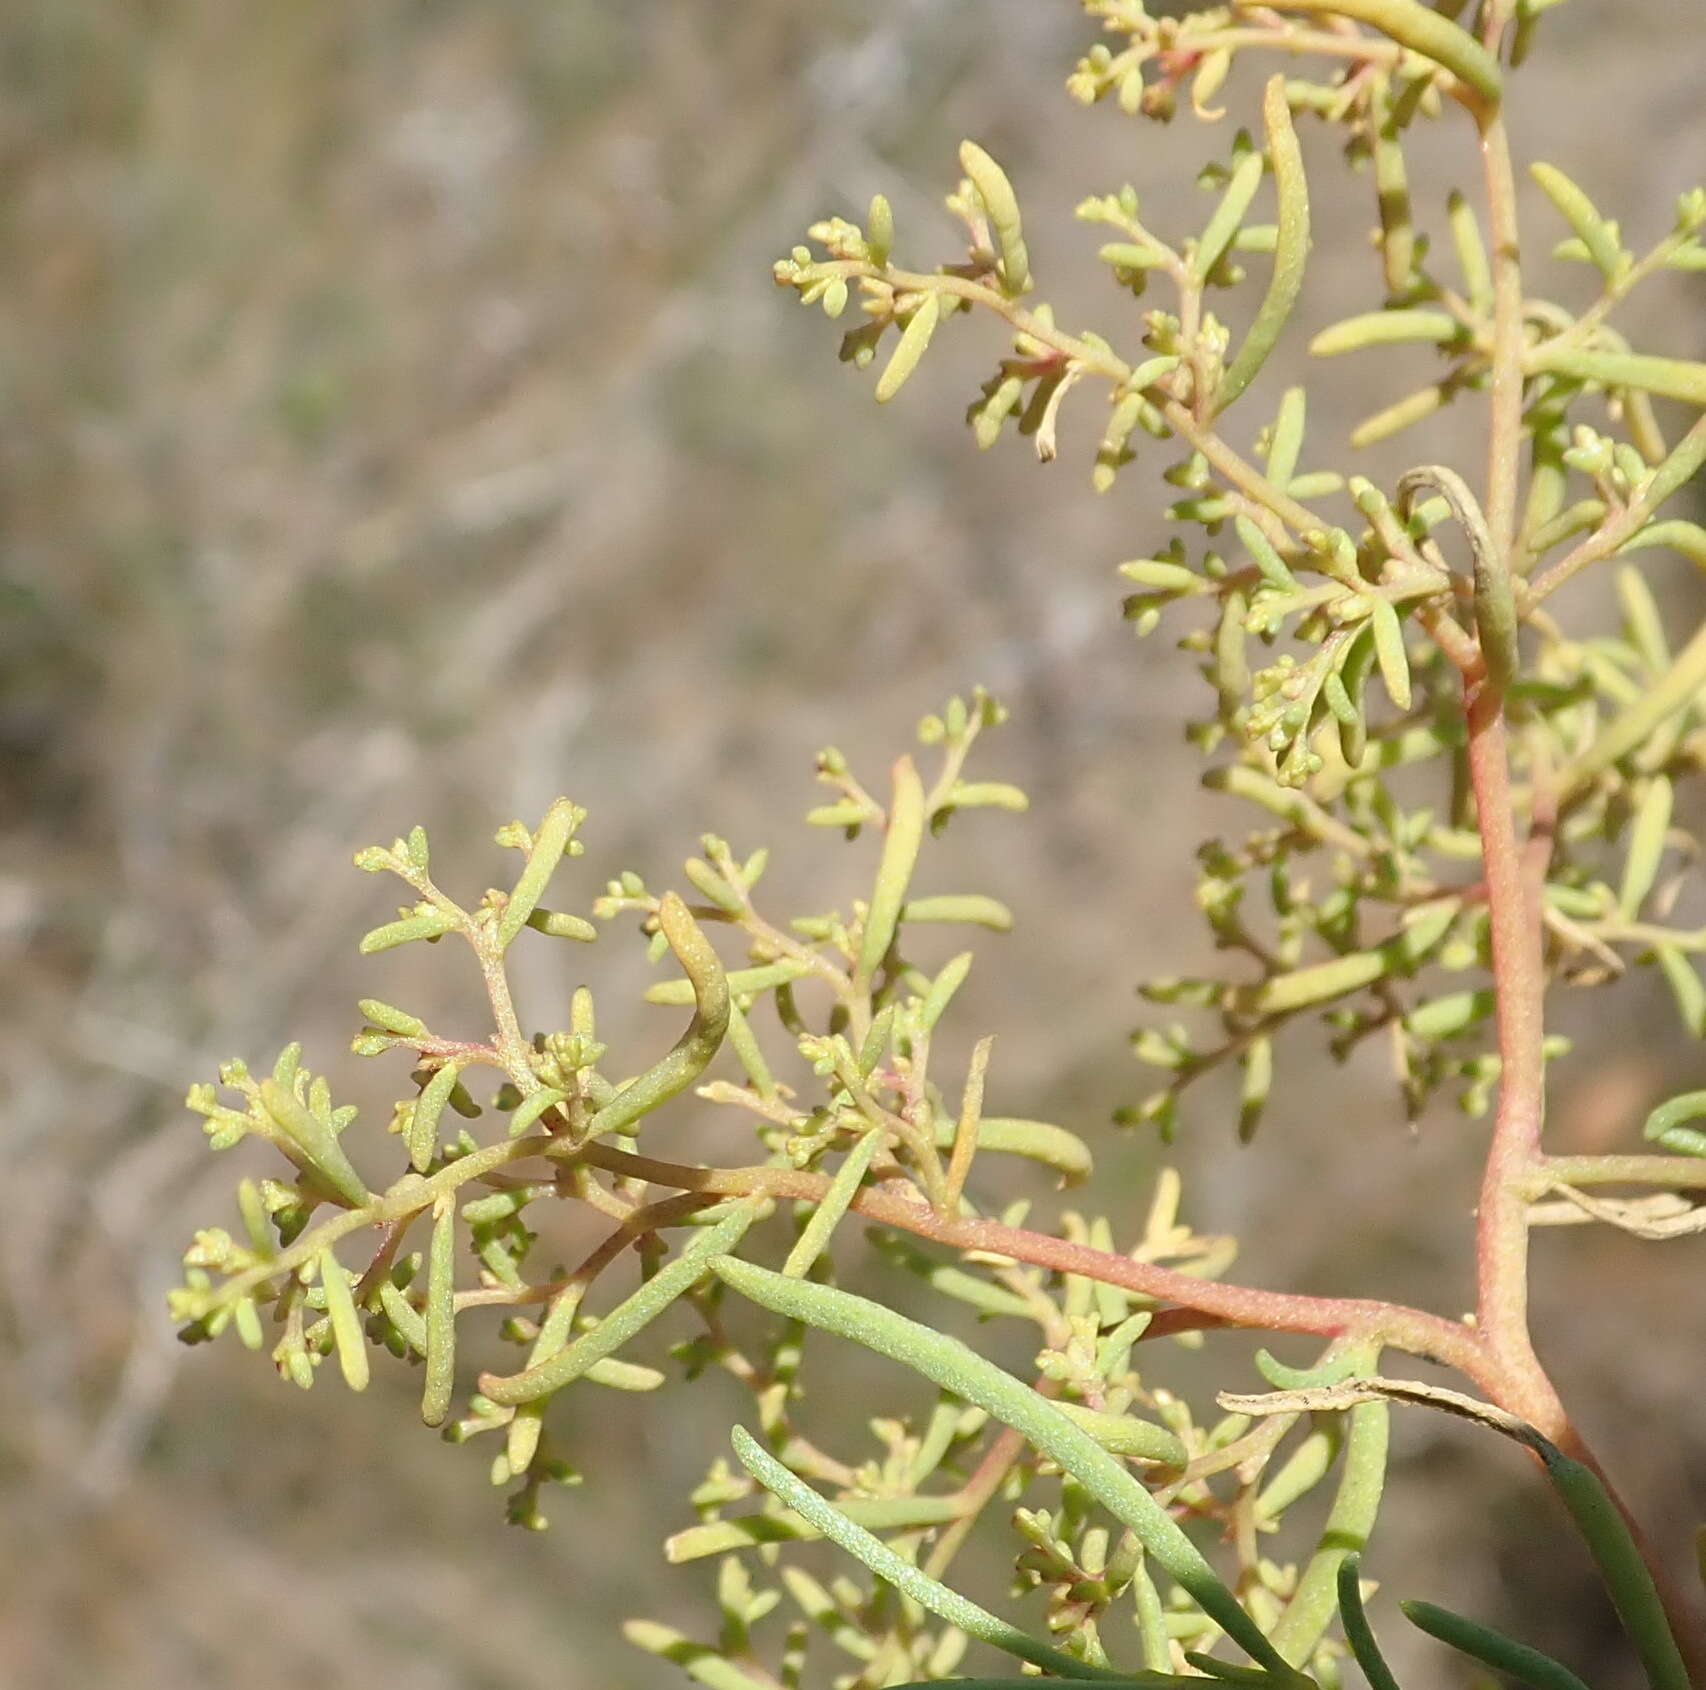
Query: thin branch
x=1607, y=539
x=1686, y=1171
x=1237, y=470
x=1419, y=1333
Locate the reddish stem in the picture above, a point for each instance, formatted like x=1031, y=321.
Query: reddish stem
x=1513, y=916
x=1413, y=1330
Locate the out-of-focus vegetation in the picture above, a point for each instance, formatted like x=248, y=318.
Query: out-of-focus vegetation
x=397, y=423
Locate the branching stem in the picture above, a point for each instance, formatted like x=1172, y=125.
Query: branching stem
x=1412, y=1330
x=1237, y=470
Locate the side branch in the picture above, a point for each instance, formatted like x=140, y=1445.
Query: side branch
x=1415, y=1331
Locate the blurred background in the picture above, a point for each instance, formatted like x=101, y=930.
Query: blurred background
x=398, y=423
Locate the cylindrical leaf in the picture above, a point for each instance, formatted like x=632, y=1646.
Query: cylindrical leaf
x=969, y=908
x=879, y=231
x=627, y=1318
x=833, y=1205
x=1358, y=1633
x=1646, y=847
x=316, y=1142
x=431, y=925
x=1493, y=1648
x=1291, y=248
x=1002, y=204
x=957, y=1368
x=901, y=844
x=1389, y=649
x=915, y=338
x=531, y=1107
x=423, y=1121
x=1385, y=328
x=392, y=1020
x=1630, y=1584
x=549, y=844
x=346, y=1323
x=904, y=1575
x=1669, y=378
x=1582, y=216
x=440, y=1313
x=1223, y=225
x=693, y=1051
x=1420, y=27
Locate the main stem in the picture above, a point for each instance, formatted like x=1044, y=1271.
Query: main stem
x=1512, y=886
x=1513, y=913
x=1513, y=879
